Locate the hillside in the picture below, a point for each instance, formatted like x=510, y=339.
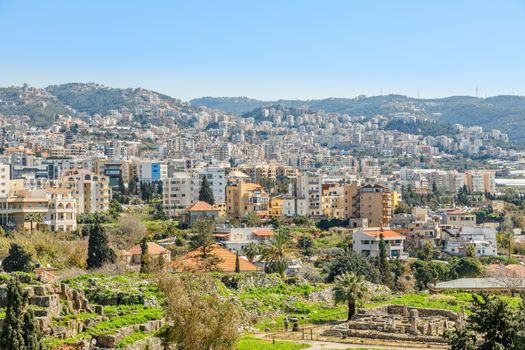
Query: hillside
x=38, y=104
x=42, y=105
x=95, y=98
x=506, y=113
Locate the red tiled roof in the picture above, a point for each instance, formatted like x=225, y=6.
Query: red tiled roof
x=263, y=233
x=201, y=206
x=192, y=261
x=153, y=249
x=386, y=233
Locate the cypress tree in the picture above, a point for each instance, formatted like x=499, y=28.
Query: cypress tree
x=99, y=251
x=237, y=263
x=17, y=260
x=384, y=266
x=12, y=337
x=206, y=193
x=144, y=257
x=31, y=330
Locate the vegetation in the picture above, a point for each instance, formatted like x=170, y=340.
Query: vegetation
x=276, y=252
x=493, y=324
x=205, y=192
x=199, y=317
x=350, y=289
x=17, y=260
x=99, y=251
x=19, y=330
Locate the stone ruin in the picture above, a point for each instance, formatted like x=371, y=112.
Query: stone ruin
x=52, y=302
x=399, y=322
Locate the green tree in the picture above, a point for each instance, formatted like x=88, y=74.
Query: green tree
x=276, y=253
x=351, y=289
x=237, y=263
x=349, y=261
x=427, y=272
x=470, y=250
x=206, y=193
x=384, y=266
x=507, y=241
x=251, y=219
x=31, y=331
x=20, y=329
x=251, y=250
x=493, y=322
x=426, y=253
x=99, y=251
x=33, y=218
x=398, y=269
x=305, y=243
x=204, y=241
x=465, y=267
x=144, y=256
x=198, y=317
x=18, y=259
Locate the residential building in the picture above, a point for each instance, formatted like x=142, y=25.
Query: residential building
x=366, y=242
x=91, y=191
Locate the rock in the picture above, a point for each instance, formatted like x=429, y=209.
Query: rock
x=107, y=341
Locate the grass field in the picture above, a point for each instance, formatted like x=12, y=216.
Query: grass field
x=252, y=343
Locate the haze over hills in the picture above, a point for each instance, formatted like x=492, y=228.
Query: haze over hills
x=505, y=112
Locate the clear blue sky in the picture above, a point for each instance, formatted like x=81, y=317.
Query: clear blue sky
x=268, y=48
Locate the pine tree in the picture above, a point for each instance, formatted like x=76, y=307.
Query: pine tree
x=206, y=193
x=17, y=260
x=237, y=263
x=99, y=251
x=384, y=266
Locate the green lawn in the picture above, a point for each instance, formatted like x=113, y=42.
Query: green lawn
x=252, y=343
x=450, y=301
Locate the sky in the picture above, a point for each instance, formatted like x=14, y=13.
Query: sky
x=268, y=49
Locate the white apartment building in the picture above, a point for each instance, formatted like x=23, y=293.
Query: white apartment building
x=5, y=175
x=216, y=178
x=177, y=193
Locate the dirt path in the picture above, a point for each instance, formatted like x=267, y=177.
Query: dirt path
x=329, y=345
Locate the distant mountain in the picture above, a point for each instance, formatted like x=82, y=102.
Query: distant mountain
x=42, y=105
x=38, y=104
x=95, y=98
x=234, y=105
x=506, y=113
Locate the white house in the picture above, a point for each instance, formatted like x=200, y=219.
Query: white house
x=366, y=242
x=482, y=237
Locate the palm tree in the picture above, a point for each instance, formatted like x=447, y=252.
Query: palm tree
x=252, y=219
x=251, y=250
x=276, y=252
x=350, y=289
x=33, y=217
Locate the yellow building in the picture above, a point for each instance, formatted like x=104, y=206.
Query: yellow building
x=276, y=206
x=333, y=201
x=245, y=197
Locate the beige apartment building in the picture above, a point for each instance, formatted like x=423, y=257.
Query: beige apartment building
x=56, y=209
x=91, y=191
x=480, y=181
x=373, y=202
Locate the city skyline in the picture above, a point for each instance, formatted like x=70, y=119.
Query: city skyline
x=297, y=50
